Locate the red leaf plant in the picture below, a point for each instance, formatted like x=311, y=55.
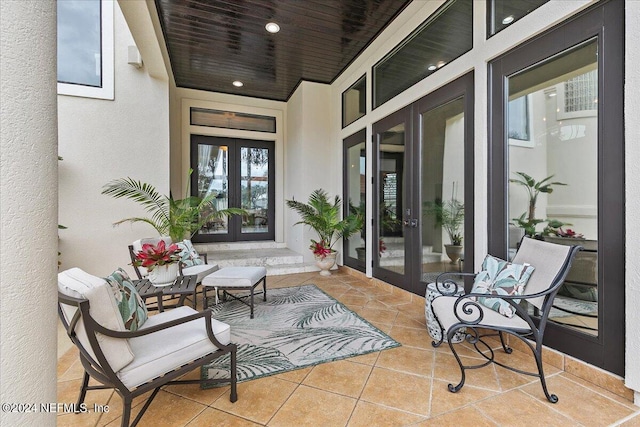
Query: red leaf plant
x=152, y=255
x=320, y=249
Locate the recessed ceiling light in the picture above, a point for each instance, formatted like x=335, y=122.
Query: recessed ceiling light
x=508, y=20
x=238, y=83
x=431, y=67
x=272, y=27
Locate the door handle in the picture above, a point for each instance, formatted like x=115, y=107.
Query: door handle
x=412, y=223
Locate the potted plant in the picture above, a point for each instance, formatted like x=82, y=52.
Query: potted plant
x=450, y=216
x=160, y=260
x=323, y=216
x=178, y=218
x=528, y=221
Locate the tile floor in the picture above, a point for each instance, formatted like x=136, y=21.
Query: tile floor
x=405, y=386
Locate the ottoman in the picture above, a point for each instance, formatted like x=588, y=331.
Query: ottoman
x=236, y=278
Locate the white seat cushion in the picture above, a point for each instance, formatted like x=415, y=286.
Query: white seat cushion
x=163, y=351
x=103, y=307
x=202, y=270
x=443, y=309
x=235, y=277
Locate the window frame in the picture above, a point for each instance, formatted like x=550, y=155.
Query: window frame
x=106, y=90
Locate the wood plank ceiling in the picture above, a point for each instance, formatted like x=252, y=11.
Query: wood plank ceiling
x=212, y=43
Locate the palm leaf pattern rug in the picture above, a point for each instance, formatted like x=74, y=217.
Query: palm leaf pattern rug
x=295, y=328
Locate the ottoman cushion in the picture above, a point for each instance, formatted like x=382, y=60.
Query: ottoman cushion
x=235, y=277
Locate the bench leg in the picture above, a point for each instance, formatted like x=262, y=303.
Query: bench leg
x=251, y=303
x=264, y=287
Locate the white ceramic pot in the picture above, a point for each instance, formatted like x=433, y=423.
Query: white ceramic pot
x=326, y=263
x=164, y=275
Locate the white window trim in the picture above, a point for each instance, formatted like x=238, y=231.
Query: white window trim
x=107, y=89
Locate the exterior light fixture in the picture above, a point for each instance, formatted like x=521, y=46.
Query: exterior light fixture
x=272, y=27
x=508, y=20
x=440, y=63
x=238, y=83
x=431, y=67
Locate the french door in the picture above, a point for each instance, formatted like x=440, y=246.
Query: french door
x=240, y=172
x=557, y=116
x=423, y=163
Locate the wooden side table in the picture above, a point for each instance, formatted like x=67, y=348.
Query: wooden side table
x=182, y=287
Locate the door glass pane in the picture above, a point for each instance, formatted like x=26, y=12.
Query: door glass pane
x=553, y=171
x=254, y=187
x=391, y=253
x=442, y=195
x=356, y=162
x=213, y=178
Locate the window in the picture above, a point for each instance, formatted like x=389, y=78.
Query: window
x=85, y=48
x=502, y=13
x=445, y=36
x=354, y=102
x=232, y=120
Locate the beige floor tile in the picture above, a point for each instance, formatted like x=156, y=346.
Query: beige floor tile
x=410, y=321
x=115, y=408
x=407, y=359
x=295, y=376
x=194, y=392
x=516, y=408
x=598, y=377
x=66, y=360
x=258, y=400
x=312, y=407
x=600, y=410
x=341, y=377
x=74, y=372
x=447, y=369
x=465, y=417
x=412, y=337
x=213, y=417
x=369, y=414
x=396, y=299
x=398, y=390
x=613, y=396
x=167, y=410
x=378, y=315
x=367, y=359
x=68, y=392
x=442, y=400
x=632, y=422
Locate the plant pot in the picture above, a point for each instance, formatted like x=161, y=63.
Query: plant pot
x=326, y=263
x=362, y=253
x=164, y=275
x=453, y=252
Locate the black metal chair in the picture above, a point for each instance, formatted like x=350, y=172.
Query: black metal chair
x=167, y=346
x=552, y=263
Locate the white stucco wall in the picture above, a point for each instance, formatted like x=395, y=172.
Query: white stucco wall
x=312, y=157
x=28, y=208
x=632, y=179
x=103, y=140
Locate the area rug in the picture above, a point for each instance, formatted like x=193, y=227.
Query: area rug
x=295, y=328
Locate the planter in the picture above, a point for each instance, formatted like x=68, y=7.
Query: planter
x=453, y=252
x=164, y=275
x=362, y=253
x=326, y=263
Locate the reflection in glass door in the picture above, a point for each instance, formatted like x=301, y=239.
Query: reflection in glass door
x=355, y=196
x=443, y=189
x=240, y=174
x=553, y=171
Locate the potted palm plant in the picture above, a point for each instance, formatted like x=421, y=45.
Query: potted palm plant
x=450, y=216
x=177, y=218
x=323, y=216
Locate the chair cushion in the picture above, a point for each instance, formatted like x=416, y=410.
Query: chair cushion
x=443, y=309
x=201, y=271
x=163, y=351
x=132, y=308
x=499, y=277
x=235, y=277
x=189, y=256
x=103, y=308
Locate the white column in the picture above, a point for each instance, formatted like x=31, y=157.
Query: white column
x=28, y=208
